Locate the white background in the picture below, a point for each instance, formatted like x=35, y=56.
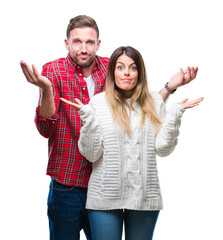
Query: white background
x=169, y=34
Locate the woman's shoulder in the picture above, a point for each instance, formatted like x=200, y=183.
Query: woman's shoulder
x=157, y=98
x=98, y=97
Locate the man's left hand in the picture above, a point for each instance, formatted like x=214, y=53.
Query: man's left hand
x=183, y=77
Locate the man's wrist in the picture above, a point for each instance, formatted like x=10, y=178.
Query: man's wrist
x=171, y=91
x=47, y=88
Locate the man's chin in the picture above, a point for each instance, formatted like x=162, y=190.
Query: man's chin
x=84, y=63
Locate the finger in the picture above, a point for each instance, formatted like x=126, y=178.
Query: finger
x=188, y=73
x=23, y=66
x=78, y=101
x=35, y=71
x=194, y=103
x=193, y=73
x=197, y=100
x=191, y=106
x=30, y=72
x=196, y=69
x=67, y=101
x=74, y=105
x=26, y=70
x=181, y=70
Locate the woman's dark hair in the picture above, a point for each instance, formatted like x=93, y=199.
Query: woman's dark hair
x=140, y=93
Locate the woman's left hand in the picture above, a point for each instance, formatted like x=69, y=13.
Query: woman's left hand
x=190, y=104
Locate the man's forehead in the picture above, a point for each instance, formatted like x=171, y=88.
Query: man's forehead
x=83, y=33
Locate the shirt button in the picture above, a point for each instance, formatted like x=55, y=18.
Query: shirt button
x=84, y=88
x=80, y=74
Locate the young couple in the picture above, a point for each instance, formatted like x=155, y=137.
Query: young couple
x=120, y=131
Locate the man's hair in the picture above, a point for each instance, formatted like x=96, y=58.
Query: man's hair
x=140, y=93
x=82, y=21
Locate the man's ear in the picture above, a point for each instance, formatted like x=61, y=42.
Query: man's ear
x=67, y=44
x=98, y=44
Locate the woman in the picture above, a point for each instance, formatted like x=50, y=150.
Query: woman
x=124, y=128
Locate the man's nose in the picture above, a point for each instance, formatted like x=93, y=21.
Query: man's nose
x=84, y=48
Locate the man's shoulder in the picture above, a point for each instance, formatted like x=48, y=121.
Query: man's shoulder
x=102, y=60
x=56, y=63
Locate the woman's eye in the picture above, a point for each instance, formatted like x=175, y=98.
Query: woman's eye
x=120, y=67
x=134, y=68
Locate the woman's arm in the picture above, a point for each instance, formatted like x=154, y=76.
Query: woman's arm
x=167, y=137
x=90, y=143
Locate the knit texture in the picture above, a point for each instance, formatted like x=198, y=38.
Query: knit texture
x=124, y=167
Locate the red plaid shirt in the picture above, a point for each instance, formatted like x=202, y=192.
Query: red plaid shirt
x=66, y=165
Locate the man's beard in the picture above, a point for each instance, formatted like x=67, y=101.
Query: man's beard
x=84, y=64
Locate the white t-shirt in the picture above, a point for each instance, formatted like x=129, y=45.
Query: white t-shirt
x=90, y=85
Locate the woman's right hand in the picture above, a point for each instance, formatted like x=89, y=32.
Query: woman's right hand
x=78, y=105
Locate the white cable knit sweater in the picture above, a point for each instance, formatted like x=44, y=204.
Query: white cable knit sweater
x=124, y=172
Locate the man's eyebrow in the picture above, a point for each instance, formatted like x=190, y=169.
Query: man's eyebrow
x=79, y=39
x=75, y=39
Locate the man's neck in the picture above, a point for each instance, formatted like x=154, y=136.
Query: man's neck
x=88, y=71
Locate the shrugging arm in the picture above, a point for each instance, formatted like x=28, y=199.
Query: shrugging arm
x=166, y=138
x=90, y=142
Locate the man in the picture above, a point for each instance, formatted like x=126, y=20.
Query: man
x=80, y=75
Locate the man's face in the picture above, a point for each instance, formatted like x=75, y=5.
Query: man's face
x=83, y=45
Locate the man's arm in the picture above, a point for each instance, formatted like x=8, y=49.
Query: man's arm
x=179, y=79
x=46, y=105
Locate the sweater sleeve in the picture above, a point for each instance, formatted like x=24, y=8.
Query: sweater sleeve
x=90, y=142
x=166, y=138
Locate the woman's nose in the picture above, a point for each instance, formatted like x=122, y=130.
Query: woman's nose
x=126, y=72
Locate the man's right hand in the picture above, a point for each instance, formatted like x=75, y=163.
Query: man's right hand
x=47, y=106
x=33, y=76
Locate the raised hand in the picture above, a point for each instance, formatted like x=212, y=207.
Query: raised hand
x=33, y=76
x=183, y=77
x=191, y=104
x=78, y=105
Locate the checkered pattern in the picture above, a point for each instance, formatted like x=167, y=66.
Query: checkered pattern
x=66, y=165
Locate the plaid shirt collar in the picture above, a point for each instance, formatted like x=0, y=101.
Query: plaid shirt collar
x=76, y=67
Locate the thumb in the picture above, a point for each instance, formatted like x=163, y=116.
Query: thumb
x=78, y=101
x=183, y=101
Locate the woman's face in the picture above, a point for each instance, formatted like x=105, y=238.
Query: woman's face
x=126, y=74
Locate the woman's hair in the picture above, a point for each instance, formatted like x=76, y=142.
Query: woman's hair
x=80, y=22
x=140, y=93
